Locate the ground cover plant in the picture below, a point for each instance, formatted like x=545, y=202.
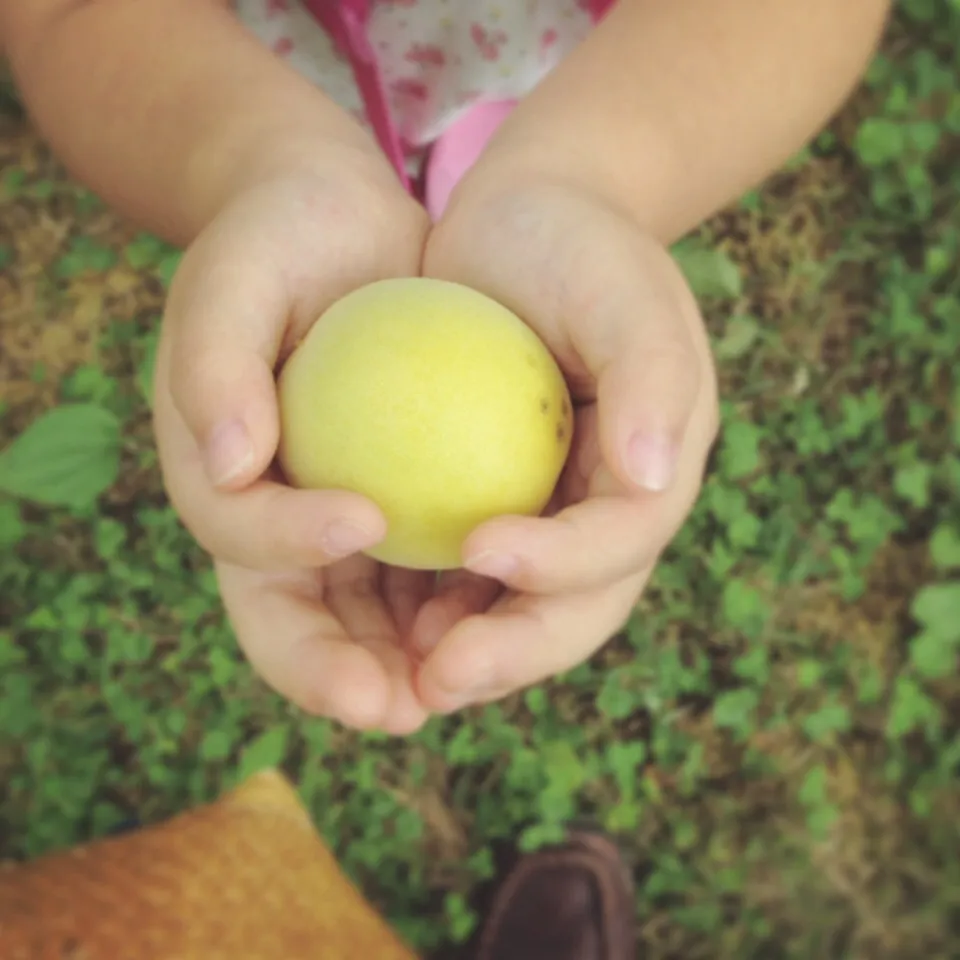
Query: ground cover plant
x=777, y=734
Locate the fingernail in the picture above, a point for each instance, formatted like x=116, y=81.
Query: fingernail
x=497, y=566
x=651, y=461
x=229, y=452
x=343, y=537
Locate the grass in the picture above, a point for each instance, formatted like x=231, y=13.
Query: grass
x=776, y=735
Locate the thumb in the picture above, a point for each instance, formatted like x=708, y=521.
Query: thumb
x=224, y=324
x=650, y=373
x=645, y=398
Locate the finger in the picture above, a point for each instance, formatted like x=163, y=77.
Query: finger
x=459, y=594
x=301, y=650
x=606, y=537
x=226, y=317
x=584, y=546
x=654, y=371
x=405, y=592
x=267, y=526
x=352, y=592
x=521, y=641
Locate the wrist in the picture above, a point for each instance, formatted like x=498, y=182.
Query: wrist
x=246, y=155
x=534, y=149
x=518, y=170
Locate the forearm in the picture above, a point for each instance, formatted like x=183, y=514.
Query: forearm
x=164, y=107
x=673, y=109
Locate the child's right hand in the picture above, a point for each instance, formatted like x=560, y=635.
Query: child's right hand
x=318, y=621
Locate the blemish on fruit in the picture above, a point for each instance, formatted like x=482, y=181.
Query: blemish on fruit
x=544, y=405
x=561, y=433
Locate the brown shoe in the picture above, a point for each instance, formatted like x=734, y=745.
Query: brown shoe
x=569, y=902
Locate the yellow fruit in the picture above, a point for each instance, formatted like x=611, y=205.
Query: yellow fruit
x=432, y=400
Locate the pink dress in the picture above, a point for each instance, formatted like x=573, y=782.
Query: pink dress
x=432, y=79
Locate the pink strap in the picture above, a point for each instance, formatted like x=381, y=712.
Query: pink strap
x=346, y=23
x=599, y=8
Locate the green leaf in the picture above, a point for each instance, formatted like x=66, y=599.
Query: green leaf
x=911, y=709
x=740, y=450
x=144, y=250
x=955, y=415
x=945, y=547
x=809, y=674
x=924, y=135
x=912, y=483
x=264, y=752
x=923, y=10
x=745, y=530
x=813, y=790
x=735, y=709
x=937, y=607
x=537, y=701
x=879, y=141
x=461, y=920
x=12, y=528
x=624, y=759
x=168, y=267
x=564, y=771
x=830, y=719
x=933, y=656
x=739, y=335
x=710, y=272
x=753, y=665
x=870, y=684
x=745, y=608
x=820, y=819
x=146, y=368
x=12, y=181
x=67, y=457
x=618, y=698
x=109, y=536
x=88, y=383
x=215, y=745
x=85, y=255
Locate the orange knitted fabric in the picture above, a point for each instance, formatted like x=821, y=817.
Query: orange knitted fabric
x=245, y=878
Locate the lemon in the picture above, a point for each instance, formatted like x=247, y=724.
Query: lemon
x=434, y=401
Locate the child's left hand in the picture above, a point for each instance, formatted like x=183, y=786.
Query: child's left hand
x=617, y=313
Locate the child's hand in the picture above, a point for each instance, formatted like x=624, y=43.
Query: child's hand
x=617, y=313
x=322, y=633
